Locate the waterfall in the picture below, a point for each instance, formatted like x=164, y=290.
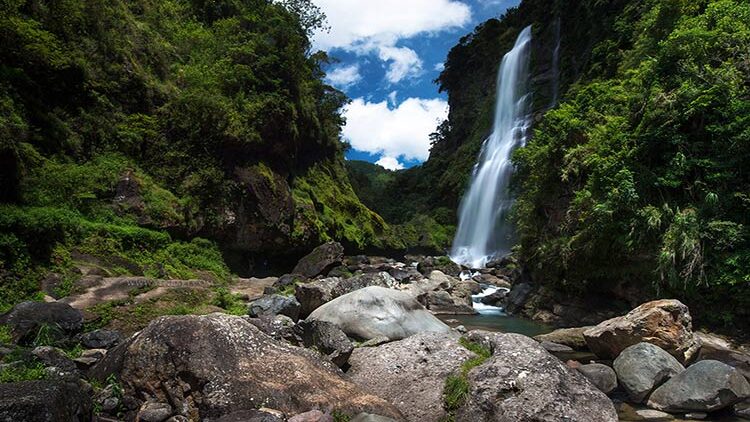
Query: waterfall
x=556, y=66
x=483, y=230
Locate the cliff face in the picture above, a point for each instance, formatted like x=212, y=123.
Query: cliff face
x=629, y=186
x=175, y=116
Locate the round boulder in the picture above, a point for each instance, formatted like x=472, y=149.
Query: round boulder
x=272, y=305
x=378, y=312
x=643, y=367
x=706, y=386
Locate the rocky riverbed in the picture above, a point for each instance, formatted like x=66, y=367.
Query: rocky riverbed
x=358, y=339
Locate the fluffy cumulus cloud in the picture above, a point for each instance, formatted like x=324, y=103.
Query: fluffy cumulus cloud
x=404, y=63
x=390, y=163
x=365, y=27
x=369, y=24
x=344, y=76
x=394, y=132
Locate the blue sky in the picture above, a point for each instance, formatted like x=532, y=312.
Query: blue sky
x=389, y=53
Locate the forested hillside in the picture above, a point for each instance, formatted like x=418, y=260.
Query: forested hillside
x=130, y=128
x=633, y=184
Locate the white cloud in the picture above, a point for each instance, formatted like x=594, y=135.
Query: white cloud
x=390, y=163
x=403, y=131
x=393, y=98
x=344, y=76
x=440, y=66
x=384, y=22
x=404, y=63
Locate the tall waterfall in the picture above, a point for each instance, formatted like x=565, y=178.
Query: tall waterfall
x=483, y=230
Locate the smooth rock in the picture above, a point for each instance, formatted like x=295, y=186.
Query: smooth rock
x=714, y=347
x=602, y=376
x=51, y=356
x=44, y=401
x=642, y=367
x=652, y=415
x=369, y=417
x=154, y=412
x=328, y=339
x=26, y=318
x=321, y=259
x=665, y=323
x=312, y=416
x=571, y=337
x=555, y=347
x=272, y=305
x=317, y=293
x=705, y=386
x=217, y=364
x=517, y=297
x=378, y=312
x=100, y=339
x=524, y=382
x=410, y=373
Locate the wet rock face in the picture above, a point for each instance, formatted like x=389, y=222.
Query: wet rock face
x=214, y=365
x=322, y=258
x=25, y=320
x=272, y=305
x=375, y=311
x=410, y=373
x=706, y=386
x=44, y=401
x=523, y=382
x=643, y=367
x=664, y=323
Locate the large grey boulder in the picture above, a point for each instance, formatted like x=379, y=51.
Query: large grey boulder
x=705, y=386
x=571, y=337
x=44, y=401
x=602, y=376
x=410, y=373
x=643, y=367
x=666, y=323
x=101, y=339
x=215, y=365
x=523, y=382
x=321, y=259
x=517, y=297
x=714, y=347
x=316, y=293
x=26, y=318
x=378, y=312
x=272, y=305
x=328, y=339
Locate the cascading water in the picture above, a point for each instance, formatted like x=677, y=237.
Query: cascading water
x=483, y=231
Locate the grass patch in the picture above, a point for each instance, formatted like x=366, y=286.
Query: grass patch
x=456, y=389
x=22, y=372
x=5, y=335
x=230, y=302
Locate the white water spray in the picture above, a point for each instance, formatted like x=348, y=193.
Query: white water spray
x=483, y=230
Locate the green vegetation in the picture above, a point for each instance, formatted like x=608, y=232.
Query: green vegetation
x=129, y=128
x=644, y=169
x=22, y=371
x=456, y=389
x=5, y=335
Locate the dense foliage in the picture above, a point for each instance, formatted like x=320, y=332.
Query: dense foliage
x=129, y=128
x=640, y=176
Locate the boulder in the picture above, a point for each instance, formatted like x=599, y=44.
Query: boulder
x=571, y=337
x=314, y=294
x=280, y=327
x=321, y=259
x=328, y=339
x=665, y=323
x=742, y=409
x=405, y=275
x=517, y=297
x=602, y=376
x=44, y=401
x=250, y=416
x=287, y=280
x=369, y=417
x=214, y=365
x=100, y=339
x=25, y=320
x=443, y=264
x=411, y=373
x=643, y=367
x=51, y=356
x=378, y=312
x=272, y=305
x=496, y=298
x=714, y=347
x=523, y=382
x=154, y=412
x=705, y=386
x=442, y=302
x=312, y=416
x=556, y=347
